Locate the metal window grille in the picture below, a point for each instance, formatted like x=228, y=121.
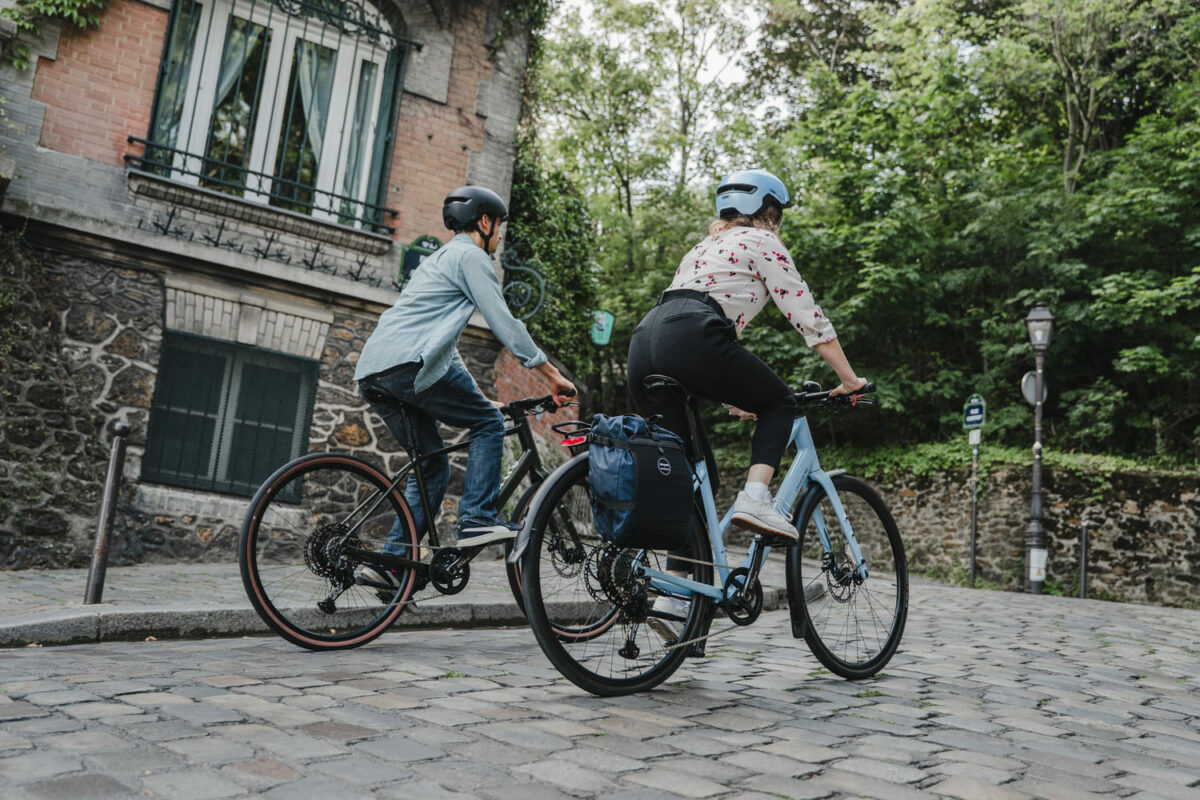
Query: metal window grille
x=225, y=416
x=290, y=103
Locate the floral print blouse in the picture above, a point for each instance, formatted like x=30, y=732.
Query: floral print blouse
x=740, y=268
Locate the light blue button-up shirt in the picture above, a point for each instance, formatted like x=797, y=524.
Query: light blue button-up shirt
x=438, y=301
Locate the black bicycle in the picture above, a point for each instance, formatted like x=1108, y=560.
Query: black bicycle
x=319, y=519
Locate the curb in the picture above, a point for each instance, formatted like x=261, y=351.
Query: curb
x=101, y=623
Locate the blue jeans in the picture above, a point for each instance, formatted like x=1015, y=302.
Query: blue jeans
x=455, y=400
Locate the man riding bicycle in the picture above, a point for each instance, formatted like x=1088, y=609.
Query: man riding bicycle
x=411, y=362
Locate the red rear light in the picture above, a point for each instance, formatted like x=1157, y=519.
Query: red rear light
x=574, y=440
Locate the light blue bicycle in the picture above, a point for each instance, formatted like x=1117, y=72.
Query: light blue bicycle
x=591, y=604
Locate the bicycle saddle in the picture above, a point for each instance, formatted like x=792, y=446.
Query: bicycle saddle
x=662, y=383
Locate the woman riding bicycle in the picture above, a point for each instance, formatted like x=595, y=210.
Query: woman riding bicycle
x=691, y=335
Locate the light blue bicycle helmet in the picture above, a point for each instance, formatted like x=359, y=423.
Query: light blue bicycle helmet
x=745, y=192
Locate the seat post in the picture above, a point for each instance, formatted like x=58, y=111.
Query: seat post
x=414, y=455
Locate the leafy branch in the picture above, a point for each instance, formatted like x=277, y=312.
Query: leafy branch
x=29, y=15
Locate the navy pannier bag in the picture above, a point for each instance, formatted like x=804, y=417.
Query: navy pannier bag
x=641, y=483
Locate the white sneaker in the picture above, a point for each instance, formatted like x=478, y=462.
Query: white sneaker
x=760, y=516
x=675, y=607
x=378, y=580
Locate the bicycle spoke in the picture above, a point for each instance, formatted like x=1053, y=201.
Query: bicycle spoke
x=855, y=625
x=296, y=553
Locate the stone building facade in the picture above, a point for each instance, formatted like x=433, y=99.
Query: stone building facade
x=219, y=196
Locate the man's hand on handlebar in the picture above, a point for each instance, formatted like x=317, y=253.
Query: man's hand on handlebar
x=558, y=383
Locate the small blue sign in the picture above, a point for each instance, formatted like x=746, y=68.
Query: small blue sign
x=974, y=412
x=602, y=327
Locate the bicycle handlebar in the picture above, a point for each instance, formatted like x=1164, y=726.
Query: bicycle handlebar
x=808, y=401
x=533, y=405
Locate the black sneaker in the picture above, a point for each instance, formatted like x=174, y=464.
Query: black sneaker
x=380, y=581
x=474, y=533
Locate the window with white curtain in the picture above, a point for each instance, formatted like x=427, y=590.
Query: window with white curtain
x=288, y=103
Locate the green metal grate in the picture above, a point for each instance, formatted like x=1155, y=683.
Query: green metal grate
x=225, y=416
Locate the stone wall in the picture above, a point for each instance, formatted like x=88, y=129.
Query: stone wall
x=89, y=357
x=50, y=450
x=1143, y=530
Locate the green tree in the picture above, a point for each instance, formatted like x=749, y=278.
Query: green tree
x=551, y=231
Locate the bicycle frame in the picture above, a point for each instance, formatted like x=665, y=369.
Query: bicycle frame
x=528, y=463
x=804, y=470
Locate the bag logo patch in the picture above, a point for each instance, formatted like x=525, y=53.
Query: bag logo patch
x=664, y=466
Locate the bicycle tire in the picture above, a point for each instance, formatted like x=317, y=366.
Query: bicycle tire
x=292, y=551
x=833, y=627
x=576, y=621
x=513, y=570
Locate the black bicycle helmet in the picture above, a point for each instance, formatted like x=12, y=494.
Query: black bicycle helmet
x=463, y=207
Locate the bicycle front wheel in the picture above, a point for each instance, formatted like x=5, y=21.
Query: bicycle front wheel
x=587, y=604
x=853, y=624
x=306, y=537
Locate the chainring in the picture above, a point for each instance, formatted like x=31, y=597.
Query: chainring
x=741, y=610
x=449, y=571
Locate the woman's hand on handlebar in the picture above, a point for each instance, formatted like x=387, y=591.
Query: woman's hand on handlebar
x=853, y=387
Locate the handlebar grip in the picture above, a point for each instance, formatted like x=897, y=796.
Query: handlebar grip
x=567, y=393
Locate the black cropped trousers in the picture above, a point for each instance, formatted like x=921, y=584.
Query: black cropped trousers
x=687, y=337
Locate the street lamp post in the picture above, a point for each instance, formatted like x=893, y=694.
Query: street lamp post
x=1040, y=323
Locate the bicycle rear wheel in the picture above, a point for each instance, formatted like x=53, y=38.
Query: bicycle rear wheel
x=307, y=532
x=586, y=605
x=853, y=626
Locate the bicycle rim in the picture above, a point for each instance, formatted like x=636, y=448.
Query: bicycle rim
x=298, y=551
x=585, y=607
x=853, y=626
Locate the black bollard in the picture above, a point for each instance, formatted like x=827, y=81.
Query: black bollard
x=1083, y=543
x=108, y=507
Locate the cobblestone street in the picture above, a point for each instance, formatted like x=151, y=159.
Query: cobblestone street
x=993, y=695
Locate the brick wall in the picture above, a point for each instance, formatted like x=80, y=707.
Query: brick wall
x=100, y=89
x=434, y=140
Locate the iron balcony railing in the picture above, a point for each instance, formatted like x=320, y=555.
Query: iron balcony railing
x=161, y=160
x=287, y=103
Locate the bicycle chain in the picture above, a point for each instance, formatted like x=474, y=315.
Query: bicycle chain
x=687, y=643
x=711, y=634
